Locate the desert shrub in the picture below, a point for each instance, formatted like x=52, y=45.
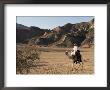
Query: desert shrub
x=25, y=57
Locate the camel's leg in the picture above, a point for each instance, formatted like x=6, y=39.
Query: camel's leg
x=81, y=65
x=78, y=66
x=76, y=69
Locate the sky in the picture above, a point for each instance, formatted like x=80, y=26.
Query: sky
x=50, y=22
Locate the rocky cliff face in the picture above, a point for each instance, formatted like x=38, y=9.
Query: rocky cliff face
x=65, y=36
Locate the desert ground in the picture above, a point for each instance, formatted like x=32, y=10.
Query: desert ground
x=52, y=60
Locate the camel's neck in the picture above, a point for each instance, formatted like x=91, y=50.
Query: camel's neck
x=68, y=55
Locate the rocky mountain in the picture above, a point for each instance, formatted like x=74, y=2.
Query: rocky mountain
x=24, y=34
x=61, y=36
x=20, y=26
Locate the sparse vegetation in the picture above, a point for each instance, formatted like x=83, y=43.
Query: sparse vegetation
x=52, y=61
x=25, y=57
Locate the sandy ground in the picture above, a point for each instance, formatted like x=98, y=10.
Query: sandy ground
x=54, y=61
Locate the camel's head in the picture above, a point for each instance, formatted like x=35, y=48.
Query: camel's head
x=66, y=52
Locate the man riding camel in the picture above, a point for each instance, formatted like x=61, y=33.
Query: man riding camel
x=76, y=53
x=73, y=51
x=75, y=48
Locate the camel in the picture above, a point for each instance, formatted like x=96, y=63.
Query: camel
x=76, y=59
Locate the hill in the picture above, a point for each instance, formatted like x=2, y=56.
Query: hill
x=61, y=36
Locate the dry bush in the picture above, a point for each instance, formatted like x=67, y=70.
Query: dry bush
x=25, y=57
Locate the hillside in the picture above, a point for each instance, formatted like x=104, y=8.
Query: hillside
x=61, y=36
